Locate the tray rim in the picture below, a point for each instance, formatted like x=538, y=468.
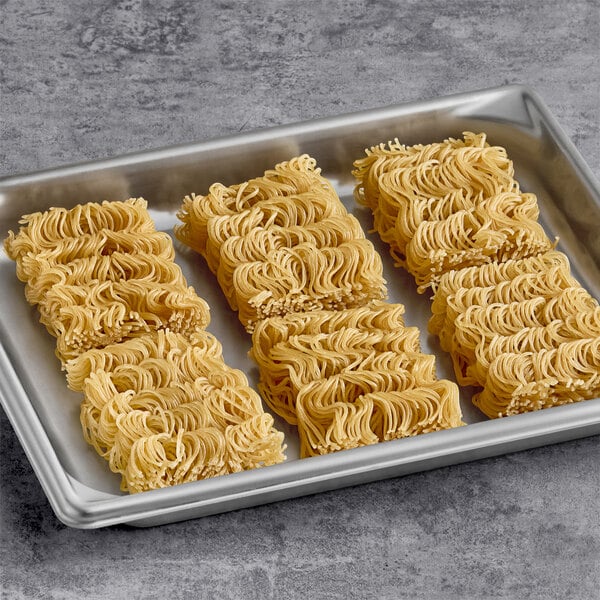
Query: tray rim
x=295, y=478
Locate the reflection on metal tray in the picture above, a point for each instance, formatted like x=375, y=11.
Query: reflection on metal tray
x=45, y=414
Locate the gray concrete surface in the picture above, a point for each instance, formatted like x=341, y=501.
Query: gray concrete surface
x=86, y=80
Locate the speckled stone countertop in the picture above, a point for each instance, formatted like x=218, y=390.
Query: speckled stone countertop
x=87, y=80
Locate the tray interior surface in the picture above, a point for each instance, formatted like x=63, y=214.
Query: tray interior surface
x=568, y=206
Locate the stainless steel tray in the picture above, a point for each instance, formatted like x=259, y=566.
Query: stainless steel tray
x=44, y=413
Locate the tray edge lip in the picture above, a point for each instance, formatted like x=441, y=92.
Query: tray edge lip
x=37, y=446
x=563, y=141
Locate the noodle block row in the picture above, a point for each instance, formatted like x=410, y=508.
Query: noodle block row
x=516, y=322
x=334, y=359
x=160, y=404
x=282, y=243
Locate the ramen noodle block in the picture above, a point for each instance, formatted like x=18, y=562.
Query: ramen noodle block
x=500, y=336
x=307, y=361
x=282, y=243
x=172, y=412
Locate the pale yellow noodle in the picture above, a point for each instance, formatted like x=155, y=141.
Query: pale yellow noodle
x=545, y=285
x=298, y=211
x=40, y=231
x=390, y=179
x=290, y=365
x=355, y=409
x=85, y=317
x=105, y=242
x=258, y=244
x=295, y=176
x=160, y=405
x=117, y=266
x=584, y=325
x=494, y=273
x=374, y=315
x=306, y=278
x=527, y=381
x=492, y=230
x=154, y=346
